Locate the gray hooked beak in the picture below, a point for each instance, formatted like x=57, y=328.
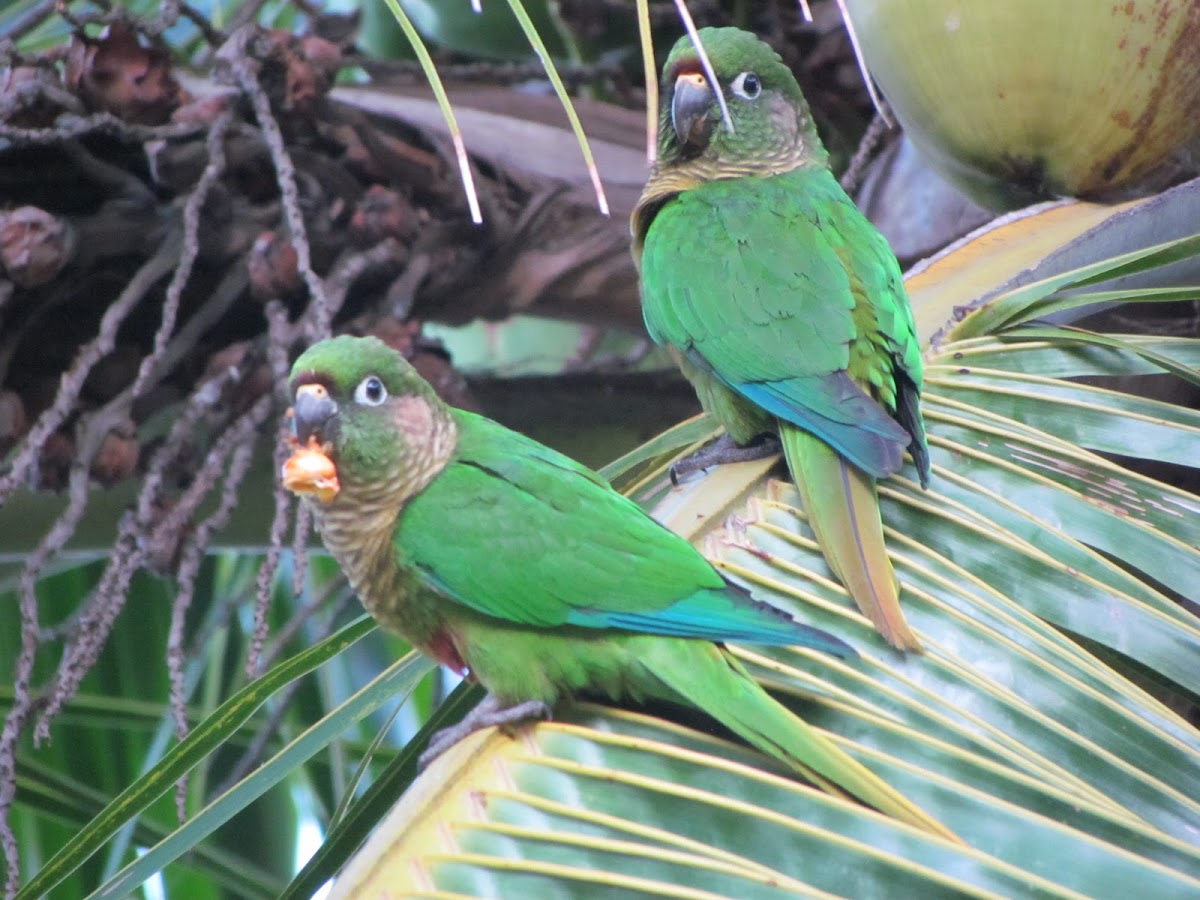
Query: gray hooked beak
x=690, y=107
x=312, y=411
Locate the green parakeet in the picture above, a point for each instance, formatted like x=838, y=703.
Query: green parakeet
x=519, y=568
x=780, y=302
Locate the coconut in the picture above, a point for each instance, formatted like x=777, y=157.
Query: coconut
x=1026, y=100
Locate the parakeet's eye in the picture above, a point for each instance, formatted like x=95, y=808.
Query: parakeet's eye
x=747, y=86
x=370, y=391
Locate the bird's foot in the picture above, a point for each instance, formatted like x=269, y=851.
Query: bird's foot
x=489, y=712
x=724, y=450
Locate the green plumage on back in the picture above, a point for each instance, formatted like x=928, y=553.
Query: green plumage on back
x=783, y=305
x=523, y=570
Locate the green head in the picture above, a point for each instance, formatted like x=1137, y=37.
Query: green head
x=772, y=126
x=381, y=424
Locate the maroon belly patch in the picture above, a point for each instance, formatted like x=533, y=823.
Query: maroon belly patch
x=442, y=649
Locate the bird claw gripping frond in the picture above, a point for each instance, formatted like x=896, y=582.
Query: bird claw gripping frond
x=724, y=450
x=490, y=712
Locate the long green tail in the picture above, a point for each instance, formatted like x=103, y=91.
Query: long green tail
x=710, y=678
x=843, y=509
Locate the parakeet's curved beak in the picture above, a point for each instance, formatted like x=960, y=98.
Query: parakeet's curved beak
x=690, y=107
x=312, y=411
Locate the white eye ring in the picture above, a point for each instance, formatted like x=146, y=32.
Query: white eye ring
x=747, y=86
x=370, y=391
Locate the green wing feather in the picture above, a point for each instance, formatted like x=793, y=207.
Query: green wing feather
x=890, y=360
x=518, y=531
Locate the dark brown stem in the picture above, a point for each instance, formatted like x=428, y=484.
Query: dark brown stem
x=871, y=139
x=241, y=439
x=191, y=249
x=245, y=70
x=281, y=333
x=70, y=127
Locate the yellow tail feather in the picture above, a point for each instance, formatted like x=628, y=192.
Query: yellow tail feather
x=843, y=509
